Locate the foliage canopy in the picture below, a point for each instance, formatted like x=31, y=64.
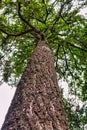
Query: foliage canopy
x=62, y=27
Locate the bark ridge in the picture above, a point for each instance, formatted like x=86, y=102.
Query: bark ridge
x=37, y=104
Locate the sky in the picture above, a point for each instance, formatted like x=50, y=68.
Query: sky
x=6, y=95
x=7, y=92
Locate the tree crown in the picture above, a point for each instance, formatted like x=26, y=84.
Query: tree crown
x=58, y=22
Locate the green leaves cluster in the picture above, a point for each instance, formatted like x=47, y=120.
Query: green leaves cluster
x=64, y=30
x=76, y=117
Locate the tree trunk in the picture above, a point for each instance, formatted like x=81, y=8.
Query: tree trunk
x=37, y=104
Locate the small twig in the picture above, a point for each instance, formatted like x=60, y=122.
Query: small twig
x=4, y=41
x=56, y=54
x=61, y=10
x=75, y=61
x=80, y=42
x=47, y=13
x=39, y=20
x=65, y=59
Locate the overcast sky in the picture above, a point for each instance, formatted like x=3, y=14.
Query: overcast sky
x=6, y=95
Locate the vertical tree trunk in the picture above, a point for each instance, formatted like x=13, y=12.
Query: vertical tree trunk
x=37, y=104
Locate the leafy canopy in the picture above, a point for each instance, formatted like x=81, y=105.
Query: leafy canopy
x=24, y=22
x=58, y=22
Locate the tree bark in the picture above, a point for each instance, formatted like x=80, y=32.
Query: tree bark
x=37, y=104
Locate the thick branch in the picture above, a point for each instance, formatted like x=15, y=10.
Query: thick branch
x=21, y=17
x=36, y=33
x=17, y=34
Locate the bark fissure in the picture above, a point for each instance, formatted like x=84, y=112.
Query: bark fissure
x=37, y=104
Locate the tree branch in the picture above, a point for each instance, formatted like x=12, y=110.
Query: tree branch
x=65, y=59
x=17, y=34
x=21, y=17
x=4, y=41
x=56, y=54
x=75, y=61
x=39, y=20
x=4, y=31
x=61, y=10
x=75, y=46
x=85, y=45
x=36, y=33
x=43, y=1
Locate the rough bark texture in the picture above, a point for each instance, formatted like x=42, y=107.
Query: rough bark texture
x=37, y=104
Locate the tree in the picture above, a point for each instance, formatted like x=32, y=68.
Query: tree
x=37, y=104
x=58, y=23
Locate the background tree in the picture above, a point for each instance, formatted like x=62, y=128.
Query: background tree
x=64, y=29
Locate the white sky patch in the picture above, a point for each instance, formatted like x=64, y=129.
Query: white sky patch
x=2, y=11
x=83, y=12
x=6, y=96
x=14, y=1
x=63, y=85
